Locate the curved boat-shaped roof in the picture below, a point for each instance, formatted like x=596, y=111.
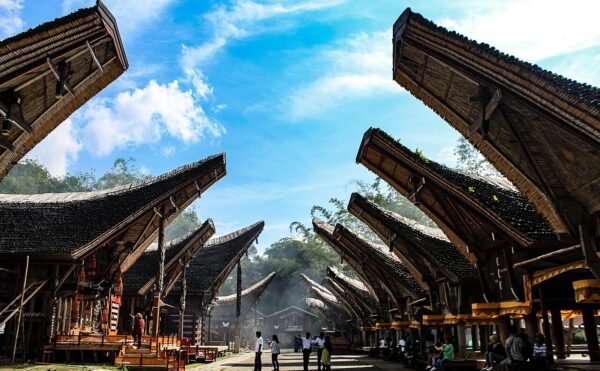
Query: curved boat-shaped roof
x=418, y=246
x=539, y=129
x=83, y=49
x=208, y=271
x=138, y=279
x=225, y=306
x=69, y=226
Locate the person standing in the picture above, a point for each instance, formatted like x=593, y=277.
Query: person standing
x=307, y=343
x=327, y=352
x=320, y=341
x=258, y=346
x=138, y=329
x=275, y=350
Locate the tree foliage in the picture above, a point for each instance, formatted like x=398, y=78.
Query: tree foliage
x=470, y=160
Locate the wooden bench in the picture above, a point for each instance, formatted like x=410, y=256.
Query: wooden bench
x=462, y=365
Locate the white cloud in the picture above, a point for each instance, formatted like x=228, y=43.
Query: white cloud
x=530, y=29
x=168, y=151
x=130, y=15
x=356, y=67
x=447, y=157
x=578, y=66
x=10, y=17
x=59, y=149
x=242, y=19
x=143, y=116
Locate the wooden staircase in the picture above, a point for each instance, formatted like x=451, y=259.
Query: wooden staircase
x=152, y=355
x=12, y=308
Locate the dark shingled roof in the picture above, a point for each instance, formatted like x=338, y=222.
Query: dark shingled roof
x=580, y=94
x=354, y=288
x=495, y=194
x=62, y=223
x=146, y=267
x=24, y=70
x=431, y=241
x=224, y=307
x=213, y=263
x=385, y=259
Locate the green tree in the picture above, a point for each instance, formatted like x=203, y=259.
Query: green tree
x=123, y=172
x=470, y=160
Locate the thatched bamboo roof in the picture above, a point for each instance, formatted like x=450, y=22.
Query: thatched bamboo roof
x=453, y=199
x=370, y=280
x=390, y=269
x=426, y=251
x=208, y=271
x=69, y=226
x=347, y=301
x=357, y=293
x=138, y=279
x=83, y=48
x=225, y=306
x=322, y=293
x=541, y=130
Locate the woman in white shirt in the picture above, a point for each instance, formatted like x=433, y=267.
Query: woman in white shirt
x=275, y=350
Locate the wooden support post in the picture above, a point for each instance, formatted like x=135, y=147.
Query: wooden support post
x=475, y=337
x=557, y=333
x=546, y=324
x=591, y=334
x=160, y=274
x=484, y=335
x=182, y=300
x=422, y=347
x=238, y=308
x=531, y=325
x=20, y=317
x=462, y=339
x=504, y=327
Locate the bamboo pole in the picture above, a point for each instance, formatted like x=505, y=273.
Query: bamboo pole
x=19, y=318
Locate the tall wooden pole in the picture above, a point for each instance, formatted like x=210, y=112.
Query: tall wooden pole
x=161, y=272
x=238, y=308
x=591, y=334
x=20, y=317
x=546, y=324
x=557, y=333
x=182, y=300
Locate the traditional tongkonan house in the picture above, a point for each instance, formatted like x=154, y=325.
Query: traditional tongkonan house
x=68, y=262
x=142, y=280
x=358, y=295
x=50, y=71
x=222, y=313
x=363, y=271
x=437, y=266
x=336, y=314
x=206, y=275
x=401, y=287
x=539, y=129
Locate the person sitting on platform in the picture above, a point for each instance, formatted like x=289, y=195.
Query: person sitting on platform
x=138, y=329
x=495, y=353
x=514, y=350
x=436, y=355
x=447, y=355
x=539, y=357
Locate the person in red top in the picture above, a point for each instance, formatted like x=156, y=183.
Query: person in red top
x=138, y=329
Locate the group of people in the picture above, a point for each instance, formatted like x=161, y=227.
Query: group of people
x=517, y=352
x=322, y=342
x=443, y=353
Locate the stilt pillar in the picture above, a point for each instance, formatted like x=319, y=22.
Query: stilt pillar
x=462, y=339
x=557, y=333
x=475, y=337
x=484, y=335
x=591, y=334
x=504, y=327
x=531, y=325
x=546, y=324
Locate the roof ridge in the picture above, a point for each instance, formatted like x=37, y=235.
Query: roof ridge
x=96, y=194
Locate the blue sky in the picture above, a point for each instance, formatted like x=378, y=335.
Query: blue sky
x=286, y=88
